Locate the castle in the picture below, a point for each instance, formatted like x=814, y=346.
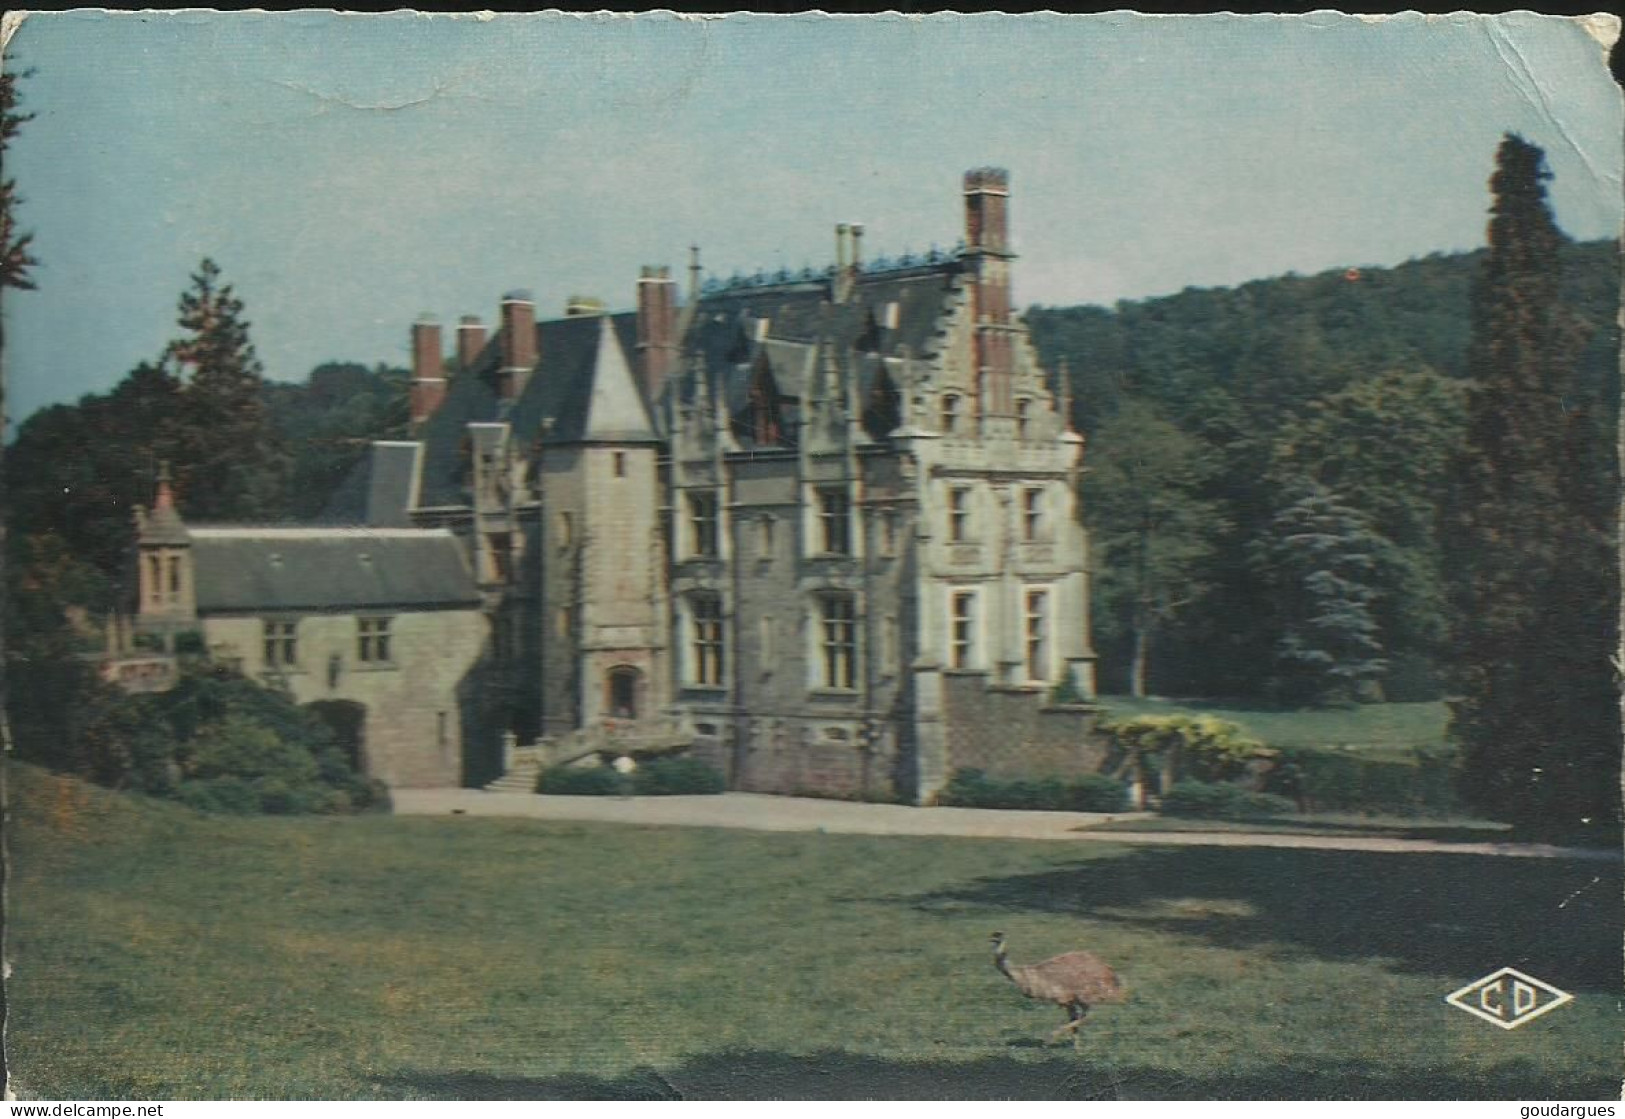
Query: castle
x=818, y=529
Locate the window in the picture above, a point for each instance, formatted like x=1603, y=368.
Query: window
x=950, y=414
x=499, y=546
x=174, y=578
x=888, y=534
x=764, y=642
x=1037, y=629
x=1023, y=414
x=622, y=686
x=962, y=629
x=958, y=513
x=764, y=537
x=155, y=588
x=281, y=644
x=1032, y=513
x=373, y=640
x=620, y=464
x=838, y=640
x=835, y=519
x=705, y=618
x=702, y=523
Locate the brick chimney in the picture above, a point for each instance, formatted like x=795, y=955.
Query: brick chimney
x=838, y=285
x=471, y=337
x=657, y=328
x=987, y=252
x=518, y=344
x=428, y=370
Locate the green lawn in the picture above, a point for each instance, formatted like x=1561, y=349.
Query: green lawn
x=159, y=953
x=1377, y=728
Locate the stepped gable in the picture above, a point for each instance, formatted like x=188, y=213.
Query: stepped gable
x=251, y=570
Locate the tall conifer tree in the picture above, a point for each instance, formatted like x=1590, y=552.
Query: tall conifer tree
x=233, y=465
x=1529, y=535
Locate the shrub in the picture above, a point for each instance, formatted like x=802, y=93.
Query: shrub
x=1338, y=781
x=1218, y=801
x=1095, y=792
x=220, y=794
x=577, y=781
x=1068, y=691
x=1200, y=746
x=676, y=777
x=220, y=743
x=972, y=788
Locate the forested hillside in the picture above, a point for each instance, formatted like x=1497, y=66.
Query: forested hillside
x=1268, y=466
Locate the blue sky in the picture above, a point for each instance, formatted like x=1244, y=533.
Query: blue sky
x=351, y=172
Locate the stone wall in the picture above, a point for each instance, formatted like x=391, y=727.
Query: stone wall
x=814, y=757
x=414, y=732
x=1012, y=733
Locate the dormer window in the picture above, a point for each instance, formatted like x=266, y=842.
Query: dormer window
x=1024, y=409
x=950, y=413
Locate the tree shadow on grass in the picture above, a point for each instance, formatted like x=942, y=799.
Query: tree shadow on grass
x=835, y=1075
x=1559, y=919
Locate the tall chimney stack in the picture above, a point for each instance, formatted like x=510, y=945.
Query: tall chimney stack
x=471, y=337
x=838, y=287
x=428, y=370
x=518, y=344
x=987, y=250
x=657, y=329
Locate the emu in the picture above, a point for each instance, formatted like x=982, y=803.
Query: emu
x=1074, y=980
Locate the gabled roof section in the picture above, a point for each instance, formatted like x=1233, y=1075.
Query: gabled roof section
x=380, y=490
x=339, y=570
x=616, y=411
x=581, y=389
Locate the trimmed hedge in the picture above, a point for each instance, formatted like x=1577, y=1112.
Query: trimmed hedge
x=676, y=777
x=582, y=781
x=655, y=778
x=1216, y=801
x=1346, y=782
x=973, y=788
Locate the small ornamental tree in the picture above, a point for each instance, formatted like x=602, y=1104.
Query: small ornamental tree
x=1200, y=746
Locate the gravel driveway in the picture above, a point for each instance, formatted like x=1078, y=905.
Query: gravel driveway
x=759, y=812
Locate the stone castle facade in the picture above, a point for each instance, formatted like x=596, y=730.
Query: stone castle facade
x=820, y=530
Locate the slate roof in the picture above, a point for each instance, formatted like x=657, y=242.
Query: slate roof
x=584, y=386
x=379, y=491
x=801, y=323
x=255, y=570
x=582, y=360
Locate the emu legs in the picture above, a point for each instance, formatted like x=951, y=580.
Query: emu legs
x=1075, y=1011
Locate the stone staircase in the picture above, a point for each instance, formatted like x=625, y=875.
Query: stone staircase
x=597, y=744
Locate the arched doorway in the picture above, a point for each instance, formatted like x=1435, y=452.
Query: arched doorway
x=621, y=698
x=348, y=722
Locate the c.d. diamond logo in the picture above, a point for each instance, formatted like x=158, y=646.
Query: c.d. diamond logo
x=1508, y=998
